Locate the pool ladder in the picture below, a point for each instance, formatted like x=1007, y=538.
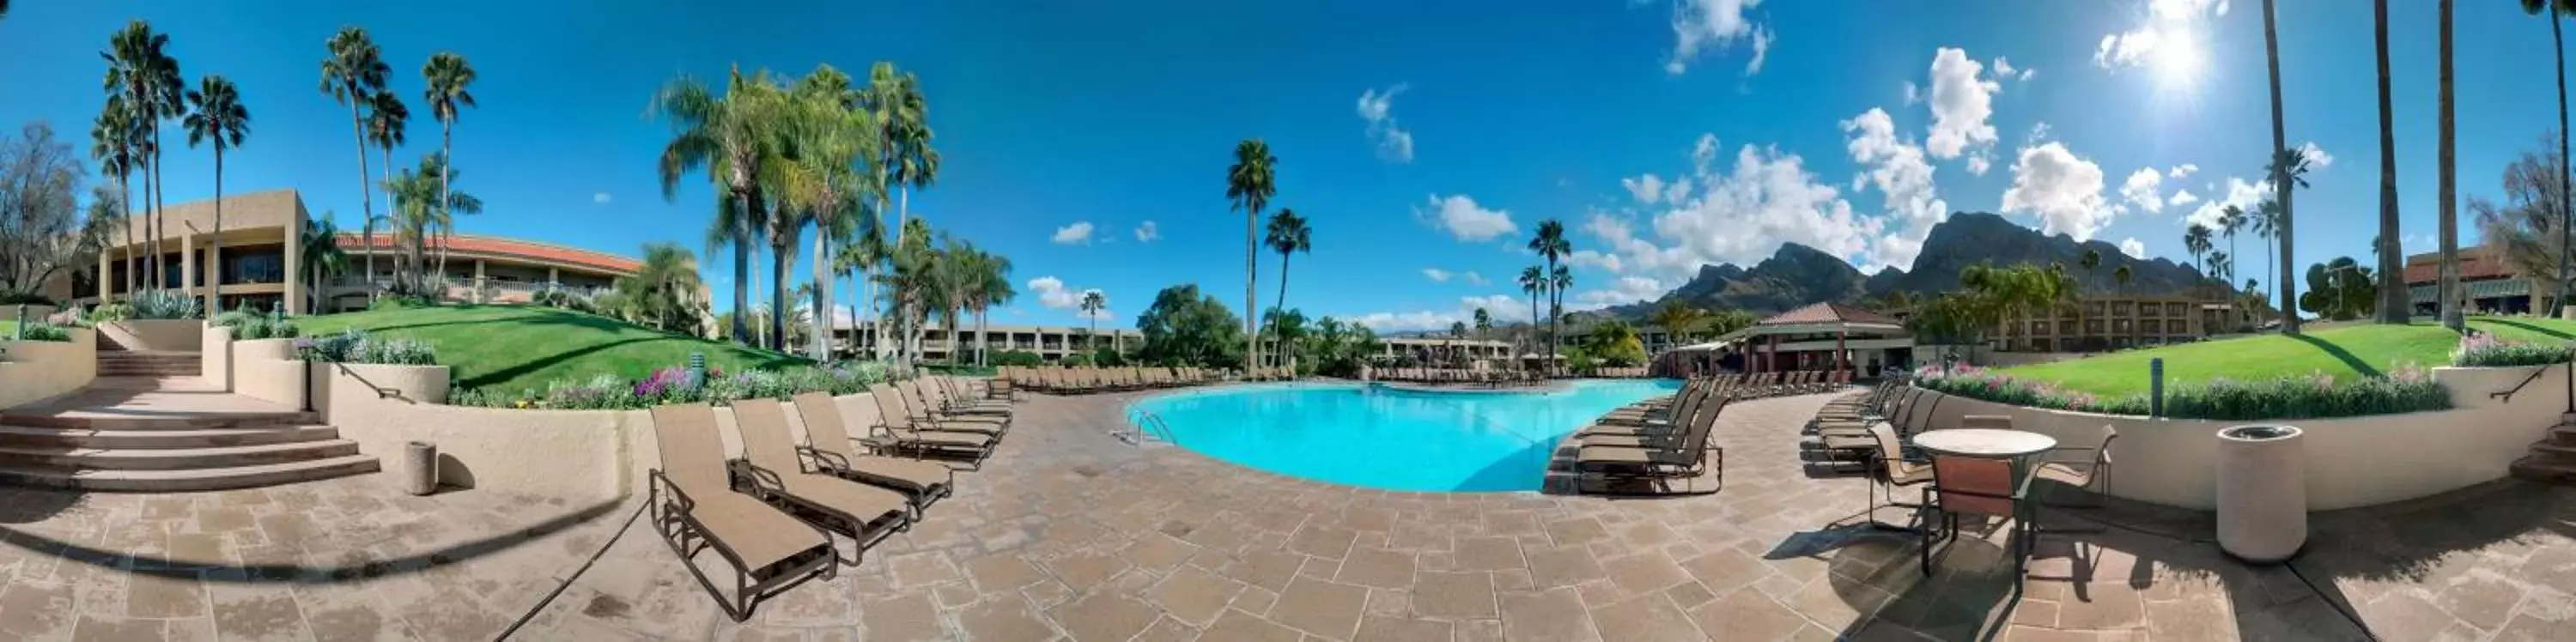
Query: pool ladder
x=1142, y=422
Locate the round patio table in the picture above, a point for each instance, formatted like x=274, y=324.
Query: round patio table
x=1985, y=442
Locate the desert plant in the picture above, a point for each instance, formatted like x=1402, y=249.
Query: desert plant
x=354, y=346
x=40, y=331
x=110, y=312
x=165, y=304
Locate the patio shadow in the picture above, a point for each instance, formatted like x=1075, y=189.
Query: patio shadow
x=123, y=561
x=2340, y=354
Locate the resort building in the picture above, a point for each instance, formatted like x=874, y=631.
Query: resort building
x=1052, y=343
x=1821, y=336
x=2098, y=323
x=262, y=250
x=479, y=269
x=2489, y=283
x=1427, y=349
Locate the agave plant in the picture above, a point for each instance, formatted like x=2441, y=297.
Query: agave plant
x=166, y=304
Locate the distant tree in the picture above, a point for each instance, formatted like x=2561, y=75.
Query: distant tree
x=1092, y=303
x=2528, y=228
x=1677, y=319
x=40, y=214
x=1550, y=243
x=1185, y=327
x=216, y=117
x=1287, y=235
x=1484, y=322
x=2092, y=261
x=2557, y=11
x=449, y=77
x=2447, y=181
x=1249, y=183
x=1727, y=322
x=2340, y=290
x=2196, y=240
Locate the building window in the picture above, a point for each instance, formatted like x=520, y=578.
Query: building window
x=2173, y=309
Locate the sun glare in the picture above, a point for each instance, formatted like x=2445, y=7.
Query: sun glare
x=2178, y=59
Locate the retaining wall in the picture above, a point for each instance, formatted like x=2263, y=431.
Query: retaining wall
x=2351, y=462
x=158, y=335
x=34, y=370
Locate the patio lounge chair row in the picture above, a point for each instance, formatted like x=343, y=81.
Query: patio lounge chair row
x=1086, y=380
x=1453, y=375
x=1619, y=373
x=1659, y=441
x=772, y=513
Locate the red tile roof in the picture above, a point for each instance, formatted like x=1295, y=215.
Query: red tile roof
x=507, y=248
x=1820, y=313
x=2476, y=262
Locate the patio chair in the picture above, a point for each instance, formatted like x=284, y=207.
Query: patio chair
x=1691, y=403
x=895, y=432
x=1893, y=472
x=864, y=513
x=1981, y=487
x=695, y=509
x=929, y=407
x=1655, y=436
x=828, y=449
x=955, y=399
x=2092, y=475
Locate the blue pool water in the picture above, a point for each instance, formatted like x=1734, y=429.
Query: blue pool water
x=1379, y=437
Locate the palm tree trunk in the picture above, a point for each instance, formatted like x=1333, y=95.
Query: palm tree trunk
x=778, y=294
x=2566, y=202
x=2280, y=181
x=125, y=215
x=1287, y=357
x=446, y=193
x=2394, y=304
x=742, y=275
x=215, y=242
x=2448, y=186
x=402, y=260
x=158, y=225
x=1251, y=304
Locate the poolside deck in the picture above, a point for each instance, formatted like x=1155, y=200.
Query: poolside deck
x=1069, y=533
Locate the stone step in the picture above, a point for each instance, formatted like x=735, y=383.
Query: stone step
x=213, y=457
x=194, y=479
x=69, y=438
x=2558, y=448
x=117, y=419
x=2545, y=468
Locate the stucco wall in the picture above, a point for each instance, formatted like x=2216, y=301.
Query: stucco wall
x=167, y=335
x=33, y=370
x=267, y=369
x=2351, y=462
x=10, y=312
x=215, y=357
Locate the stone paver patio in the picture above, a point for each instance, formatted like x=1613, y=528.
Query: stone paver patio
x=1069, y=533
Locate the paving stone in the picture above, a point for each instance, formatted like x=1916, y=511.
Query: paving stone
x=1453, y=596
x=1103, y=617
x=1548, y=616
x=1237, y=625
x=1004, y=617
x=1377, y=568
x=1388, y=629
x=1192, y=595
x=1323, y=608
x=1748, y=615
x=1647, y=617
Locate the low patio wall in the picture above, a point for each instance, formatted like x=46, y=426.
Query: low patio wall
x=268, y=369
x=574, y=454
x=10, y=312
x=160, y=335
x=34, y=370
x=2351, y=461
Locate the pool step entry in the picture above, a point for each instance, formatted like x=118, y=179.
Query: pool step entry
x=1142, y=424
x=2553, y=459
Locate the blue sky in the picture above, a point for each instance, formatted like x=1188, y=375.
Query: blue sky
x=1424, y=140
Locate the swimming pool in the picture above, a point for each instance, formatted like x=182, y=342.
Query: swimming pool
x=1380, y=437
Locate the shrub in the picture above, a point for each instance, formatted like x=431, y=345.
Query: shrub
x=259, y=327
x=675, y=385
x=354, y=346
x=165, y=304
x=2484, y=350
x=111, y=312
x=232, y=319
x=12, y=297
x=1018, y=358
x=2317, y=396
x=1076, y=360
x=1108, y=358
x=39, y=331
x=398, y=302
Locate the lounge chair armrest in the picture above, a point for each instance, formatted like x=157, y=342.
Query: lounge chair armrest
x=822, y=459
x=761, y=479
x=679, y=499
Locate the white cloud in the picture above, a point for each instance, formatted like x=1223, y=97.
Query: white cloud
x=1146, y=232
x=1913, y=94
x=1738, y=216
x=2062, y=190
x=1079, y=233
x=1593, y=258
x=2145, y=189
x=1377, y=108
x=2004, y=70
x=1626, y=290
x=596, y=197
x=1716, y=25
x=1897, y=168
x=2039, y=133
x=1962, y=101
x=1646, y=188
x=1979, y=162
x=2169, y=23
x=1052, y=294
x=2317, y=156
x=1473, y=278
x=2182, y=197
x=2239, y=192
x=2182, y=171
x=1465, y=220
x=1498, y=306
x=2133, y=248
x=1436, y=274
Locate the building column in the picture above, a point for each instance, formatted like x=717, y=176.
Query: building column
x=292, y=302
x=106, y=278
x=554, y=278
x=187, y=264
x=1842, y=357
x=478, y=281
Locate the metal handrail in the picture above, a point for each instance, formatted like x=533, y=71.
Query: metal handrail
x=1140, y=422
x=2507, y=396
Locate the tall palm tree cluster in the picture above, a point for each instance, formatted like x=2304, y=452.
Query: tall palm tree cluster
x=823, y=155
x=1990, y=295
x=421, y=201
x=1549, y=280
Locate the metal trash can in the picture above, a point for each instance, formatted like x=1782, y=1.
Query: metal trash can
x=2262, y=492
x=420, y=467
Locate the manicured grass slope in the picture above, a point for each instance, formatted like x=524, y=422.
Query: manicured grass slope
x=519, y=348
x=2343, y=350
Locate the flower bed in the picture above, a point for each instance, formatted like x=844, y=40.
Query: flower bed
x=675, y=385
x=2405, y=389
x=354, y=346
x=2484, y=350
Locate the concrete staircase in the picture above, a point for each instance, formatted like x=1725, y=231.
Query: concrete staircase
x=2553, y=459
x=116, y=361
x=168, y=434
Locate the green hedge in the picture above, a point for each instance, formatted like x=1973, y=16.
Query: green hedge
x=2320, y=396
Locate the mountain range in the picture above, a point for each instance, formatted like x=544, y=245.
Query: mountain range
x=1798, y=275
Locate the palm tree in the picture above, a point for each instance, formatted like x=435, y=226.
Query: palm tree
x=1249, y=183
x=215, y=114
x=2556, y=9
x=730, y=136
x=113, y=141
x=1092, y=303
x=387, y=120
x=1484, y=322
x=142, y=71
x=352, y=75
x=905, y=158
x=1533, y=281
x=2231, y=220
x=1550, y=244
x=1677, y=319
x=2196, y=240
x=2393, y=305
x=448, y=75
x=2280, y=178
x=833, y=139
x=1287, y=235
x=2449, y=187
x=2092, y=261
x=1559, y=280
x=991, y=286
x=319, y=253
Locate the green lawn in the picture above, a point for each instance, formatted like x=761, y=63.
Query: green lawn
x=2343, y=350
x=519, y=348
